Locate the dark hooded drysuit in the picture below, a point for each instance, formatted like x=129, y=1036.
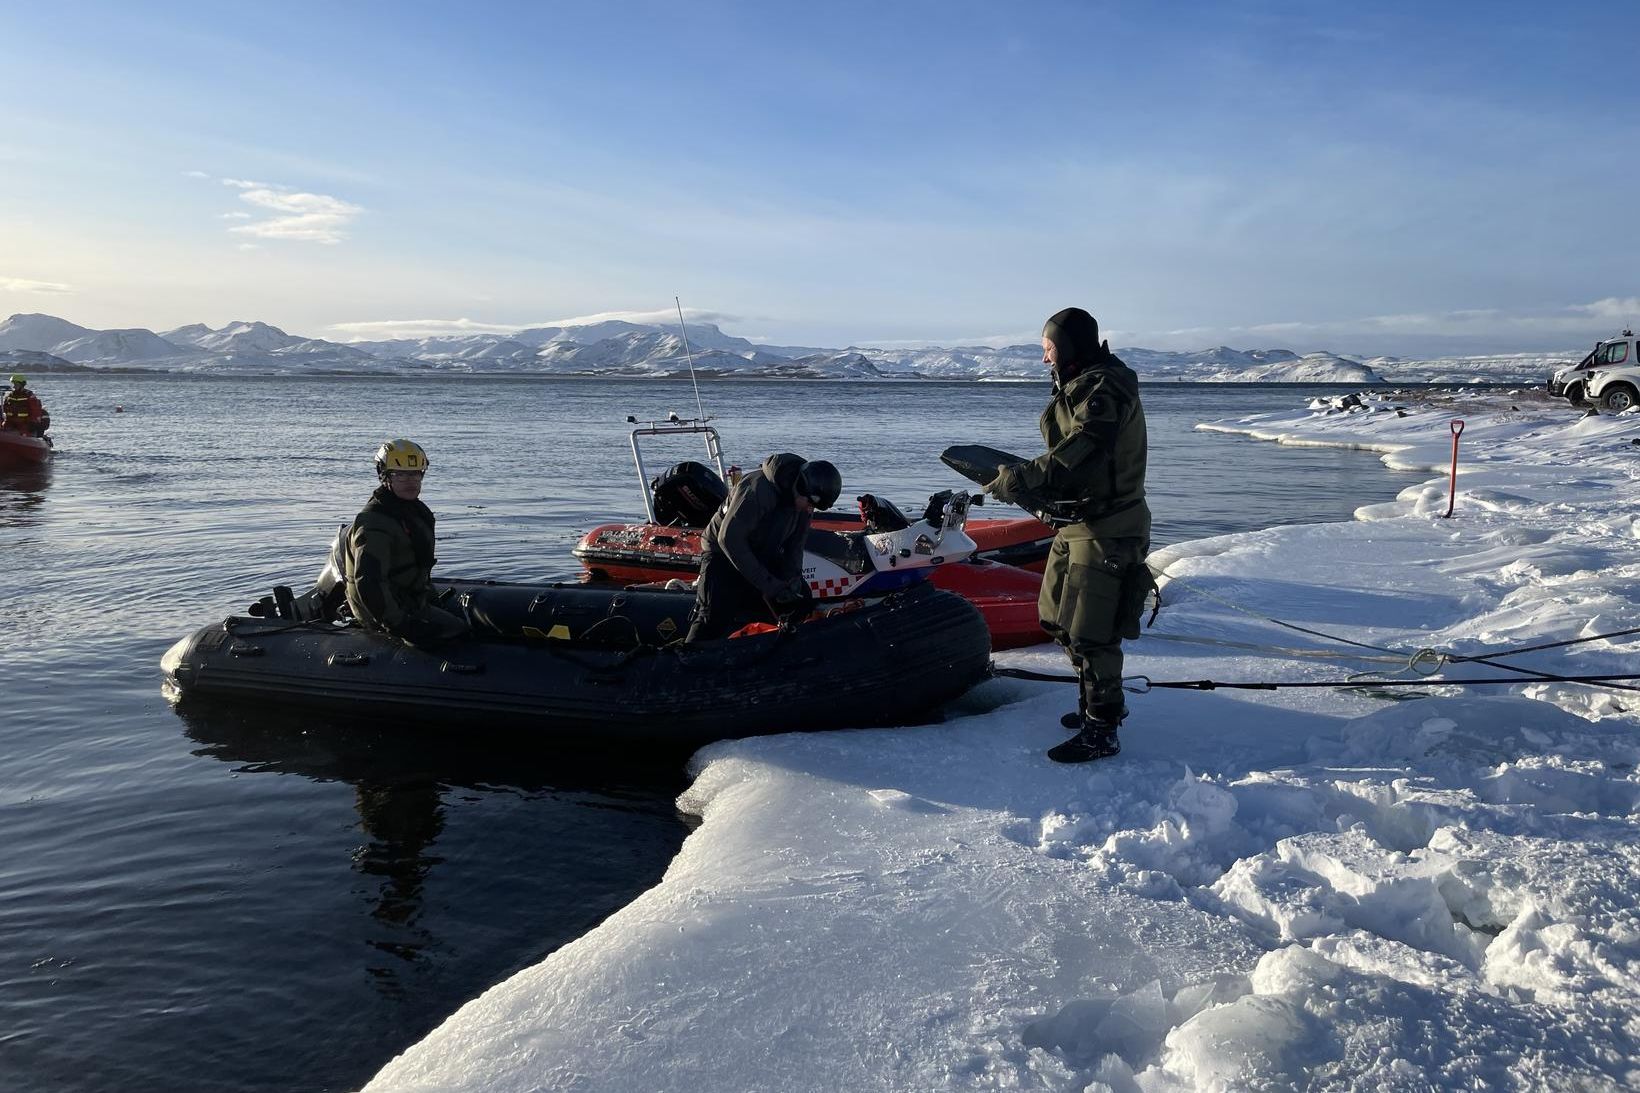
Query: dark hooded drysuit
x=1095, y=582
x=752, y=552
x=389, y=567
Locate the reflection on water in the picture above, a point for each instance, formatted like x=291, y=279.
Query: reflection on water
x=400, y=781
x=22, y=493
x=269, y=900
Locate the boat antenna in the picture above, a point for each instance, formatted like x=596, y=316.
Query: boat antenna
x=700, y=407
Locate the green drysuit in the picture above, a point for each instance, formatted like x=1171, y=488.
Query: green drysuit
x=389, y=556
x=1094, y=584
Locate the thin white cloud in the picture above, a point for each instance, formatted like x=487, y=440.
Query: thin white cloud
x=660, y=316
x=1615, y=308
x=303, y=217
x=434, y=328
x=1569, y=318
x=1554, y=325
x=1028, y=338
x=287, y=214
x=419, y=328
x=23, y=284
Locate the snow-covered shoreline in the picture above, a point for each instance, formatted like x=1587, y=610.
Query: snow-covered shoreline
x=1290, y=889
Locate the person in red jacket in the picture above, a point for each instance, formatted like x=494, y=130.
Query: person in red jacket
x=23, y=412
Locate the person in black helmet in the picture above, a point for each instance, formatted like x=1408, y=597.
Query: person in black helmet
x=1094, y=586
x=751, y=562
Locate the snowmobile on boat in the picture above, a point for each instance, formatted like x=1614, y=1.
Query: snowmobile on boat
x=880, y=549
x=592, y=664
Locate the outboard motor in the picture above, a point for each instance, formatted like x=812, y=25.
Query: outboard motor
x=322, y=602
x=687, y=495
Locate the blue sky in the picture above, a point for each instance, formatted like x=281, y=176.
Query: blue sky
x=1397, y=177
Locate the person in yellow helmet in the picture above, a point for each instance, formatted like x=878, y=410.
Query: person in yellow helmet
x=389, y=554
x=22, y=410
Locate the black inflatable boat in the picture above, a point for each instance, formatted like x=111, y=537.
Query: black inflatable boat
x=602, y=665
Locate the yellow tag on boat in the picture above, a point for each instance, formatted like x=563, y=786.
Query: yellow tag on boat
x=557, y=633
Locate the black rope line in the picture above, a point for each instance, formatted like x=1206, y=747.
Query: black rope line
x=1481, y=658
x=1350, y=684
x=236, y=628
x=1211, y=685
x=1486, y=657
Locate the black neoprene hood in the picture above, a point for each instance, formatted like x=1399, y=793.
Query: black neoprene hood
x=1075, y=336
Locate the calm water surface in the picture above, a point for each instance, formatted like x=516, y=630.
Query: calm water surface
x=269, y=901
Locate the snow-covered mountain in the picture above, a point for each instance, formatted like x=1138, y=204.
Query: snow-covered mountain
x=236, y=337
x=1217, y=365
x=701, y=335
x=257, y=346
x=1499, y=368
x=458, y=347
x=33, y=360
x=38, y=332
x=622, y=348
x=644, y=351
x=1310, y=368
x=117, y=347
x=523, y=345
x=239, y=346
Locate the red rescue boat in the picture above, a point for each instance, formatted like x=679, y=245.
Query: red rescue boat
x=20, y=450
x=641, y=553
x=1002, y=577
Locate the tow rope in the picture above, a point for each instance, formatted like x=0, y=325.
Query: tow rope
x=1423, y=662
x=1144, y=684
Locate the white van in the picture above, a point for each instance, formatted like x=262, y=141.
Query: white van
x=1611, y=374
x=1576, y=383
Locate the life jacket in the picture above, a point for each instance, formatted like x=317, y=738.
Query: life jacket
x=22, y=409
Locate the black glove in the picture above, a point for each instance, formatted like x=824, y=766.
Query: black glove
x=792, y=595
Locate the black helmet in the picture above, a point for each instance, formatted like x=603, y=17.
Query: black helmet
x=820, y=482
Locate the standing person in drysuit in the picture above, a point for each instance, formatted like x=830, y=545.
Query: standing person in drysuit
x=23, y=411
x=1094, y=587
x=389, y=554
x=751, y=562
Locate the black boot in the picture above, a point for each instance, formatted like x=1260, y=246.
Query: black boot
x=1112, y=713
x=1097, y=740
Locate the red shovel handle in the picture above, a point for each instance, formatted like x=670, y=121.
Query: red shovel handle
x=1452, y=498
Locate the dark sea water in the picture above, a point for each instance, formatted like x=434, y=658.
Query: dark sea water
x=269, y=901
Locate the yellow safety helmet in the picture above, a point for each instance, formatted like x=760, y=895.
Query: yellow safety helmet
x=400, y=455
x=19, y=379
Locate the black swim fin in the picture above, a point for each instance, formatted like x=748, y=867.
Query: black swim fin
x=977, y=462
